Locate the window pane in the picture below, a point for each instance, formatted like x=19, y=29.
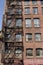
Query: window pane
x=10, y=11
x=35, y=10
x=42, y=2
x=26, y=2
x=34, y=2
x=7, y=50
x=38, y=37
x=28, y=22
x=27, y=10
x=42, y=10
x=36, y=22
x=9, y=22
x=29, y=52
x=18, y=11
x=19, y=2
x=18, y=37
x=39, y=52
x=18, y=52
x=28, y=36
x=18, y=22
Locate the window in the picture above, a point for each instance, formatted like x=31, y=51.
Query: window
x=39, y=52
x=18, y=52
x=18, y=37
x=19, y=2
x=7, y=50
x=28, y=22
x=42, y=2
x=29, y=52
x=42, y=10
x=36, y=22
x=8, y=35
x=11, y=11
x=34, y=2
x=18, y=22
x=26, y=2
x=9, y=22
x=27, y=10
x=19, y=11
x=35, y=10
x=38, y=36
x=28, y=36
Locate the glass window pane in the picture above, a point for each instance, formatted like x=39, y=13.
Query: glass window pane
x=28, y=22
x=38, y=37
x=42, y=10
x=39, y=52
x=26, y=2
x=34, y=2
x=35, y=10
x=18, y=11
x=28, y=36
x=18, y=37
x=18, y=22
x=27, y=10
x=36, y=23
x=9, y=22
x=29, y=52
x=42, y=2
x=18, y=52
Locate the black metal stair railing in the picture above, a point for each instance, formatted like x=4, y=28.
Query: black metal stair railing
x=10, y=56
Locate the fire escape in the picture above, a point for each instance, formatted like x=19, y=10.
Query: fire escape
x=10, y=54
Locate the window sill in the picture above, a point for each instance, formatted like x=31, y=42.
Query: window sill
x=28, y=27
x=35, y=14
x=36, y=27
x=29, y=41
x=27, y=14
x=39, y=56
x=39, y=41
x=29, y=57
x=26, y=4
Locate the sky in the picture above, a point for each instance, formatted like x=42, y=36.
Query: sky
x=1, y=12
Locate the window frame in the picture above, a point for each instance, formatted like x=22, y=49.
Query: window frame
x=30, y=24
x=25, y=11
x=17, y=38
x=35, y=2
x=29, y=39
x=20, y=25
x=34, y=11
x=18, y=11
x=36, y=23
x=41, y=2
x=39, y=52
x=17, y=54
x=31, y=52
x=26, y=3
x=42, y=10
x=38, y=37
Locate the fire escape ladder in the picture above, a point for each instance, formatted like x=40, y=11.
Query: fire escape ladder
x=10, y=56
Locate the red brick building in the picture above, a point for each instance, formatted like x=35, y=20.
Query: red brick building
x=23, y=32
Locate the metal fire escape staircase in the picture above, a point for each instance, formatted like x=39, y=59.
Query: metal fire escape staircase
x=10, y=30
